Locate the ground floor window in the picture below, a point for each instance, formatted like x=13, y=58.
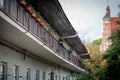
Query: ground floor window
x=16, y=72
x=56, y=77
x=28, y=76
x=51, y=75
x=37, y=75
x=44, y=76
x=3, y=71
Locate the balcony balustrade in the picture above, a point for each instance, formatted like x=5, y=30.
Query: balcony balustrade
x=15, y=11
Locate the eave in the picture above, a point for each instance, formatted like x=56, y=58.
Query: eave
x=53, y=13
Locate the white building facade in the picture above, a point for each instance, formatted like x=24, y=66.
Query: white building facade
x=29, y=50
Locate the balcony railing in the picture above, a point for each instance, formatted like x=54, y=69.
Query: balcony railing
x=20, y=15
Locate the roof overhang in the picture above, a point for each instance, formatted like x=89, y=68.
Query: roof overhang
x=53, y=13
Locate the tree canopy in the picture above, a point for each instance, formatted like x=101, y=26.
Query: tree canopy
x=97, y=42
x=112, y=58
x=94, y=63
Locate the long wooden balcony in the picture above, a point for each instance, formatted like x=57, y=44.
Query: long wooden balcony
x=17, y=13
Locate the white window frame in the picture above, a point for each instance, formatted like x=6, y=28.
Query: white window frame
x=28, y=74
x=3, y=70
x=16, y=72
x=44, y=76
x=37, y=75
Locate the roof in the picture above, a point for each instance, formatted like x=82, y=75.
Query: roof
x=106, y=17
x=53, y=13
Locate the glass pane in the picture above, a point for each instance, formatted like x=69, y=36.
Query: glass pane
x=28, y=77
x=3, y=71
x=37, y=75
x=16, y=73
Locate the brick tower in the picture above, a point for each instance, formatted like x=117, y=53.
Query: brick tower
x=109, y=26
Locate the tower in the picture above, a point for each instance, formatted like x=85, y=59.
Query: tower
x=106, y=30
x=110, y=25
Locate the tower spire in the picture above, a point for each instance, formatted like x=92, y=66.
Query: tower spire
x=108, y=8
x=107, y=15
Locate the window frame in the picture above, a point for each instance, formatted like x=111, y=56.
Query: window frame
x=3, y=65
x=44, y=76
x=16, y=72
x=37, y=75
x=28, y=74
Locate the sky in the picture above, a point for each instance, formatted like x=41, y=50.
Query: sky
x=86, y=16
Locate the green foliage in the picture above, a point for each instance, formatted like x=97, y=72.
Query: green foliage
x=38, y=14
x=82, y=76
x=85, y=76
x=112, y=57
x=70, y=50
x=115, y=36
x=101, y=74
x=118, y=22
x=97, y=42
x=94, y=62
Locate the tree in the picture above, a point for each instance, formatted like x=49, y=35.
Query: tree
x=94, y=63
x=97, y=42
x=112, y=58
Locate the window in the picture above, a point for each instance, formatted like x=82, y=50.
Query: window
x=51, y=75
x=16, y=73
x=28, y=77
x=3, y=71
x=44, y=76
x=56, y=77
x=37, y=75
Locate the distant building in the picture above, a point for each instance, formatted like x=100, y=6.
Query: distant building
x=109, y=26
x=29, y=47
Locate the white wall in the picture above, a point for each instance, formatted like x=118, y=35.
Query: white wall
x=15, y=58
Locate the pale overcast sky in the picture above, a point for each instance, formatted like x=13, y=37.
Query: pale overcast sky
x=86, y=16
